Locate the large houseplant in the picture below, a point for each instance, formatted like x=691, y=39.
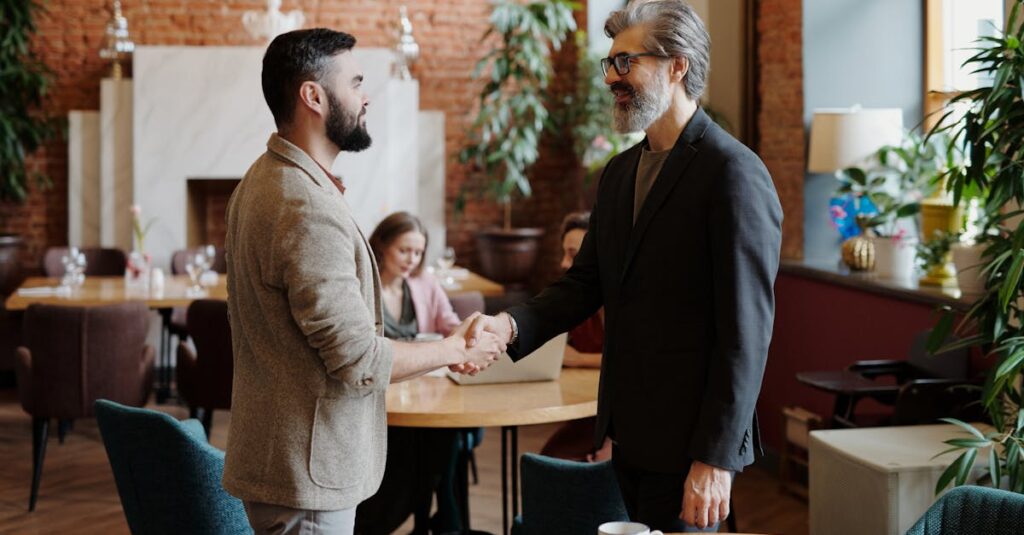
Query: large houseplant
x=513, y=113
x=991, y=135
x=24, y=81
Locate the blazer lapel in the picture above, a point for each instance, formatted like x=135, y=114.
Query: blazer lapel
x=671, y=174
x=627, y=191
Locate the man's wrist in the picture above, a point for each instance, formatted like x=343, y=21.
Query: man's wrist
x=513, y=328
x=454, y=351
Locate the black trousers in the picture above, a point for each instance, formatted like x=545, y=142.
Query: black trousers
x=653, y=498
x=419, y=462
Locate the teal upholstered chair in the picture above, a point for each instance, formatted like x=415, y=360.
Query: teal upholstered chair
x=168, y=476
x=973, y=511
x=567, y=497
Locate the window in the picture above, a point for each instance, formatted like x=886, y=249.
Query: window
x=952, y=30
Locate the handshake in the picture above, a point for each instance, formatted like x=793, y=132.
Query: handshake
x=479, y=341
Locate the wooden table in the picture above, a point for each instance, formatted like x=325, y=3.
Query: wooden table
x=473, y=283
x=437, y=402
x=849, y=387
x=99, y=291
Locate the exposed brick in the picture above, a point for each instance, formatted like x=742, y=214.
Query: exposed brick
x=70, y=35
x=780, y=140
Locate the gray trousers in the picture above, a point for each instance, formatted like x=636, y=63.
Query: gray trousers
x=268, y=519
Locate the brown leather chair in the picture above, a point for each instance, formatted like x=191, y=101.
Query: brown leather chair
x=204, y=376
x=75, y=355
x=10, y=339
x=98, y=261
x=179, y=258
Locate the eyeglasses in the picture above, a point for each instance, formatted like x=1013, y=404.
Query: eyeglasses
x=621, y=62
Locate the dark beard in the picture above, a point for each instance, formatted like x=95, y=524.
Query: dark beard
x=343, y=128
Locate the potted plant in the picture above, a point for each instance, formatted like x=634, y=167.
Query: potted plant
x=990, y=134
x=502, y=142
x=24, y=81
x=886, y=199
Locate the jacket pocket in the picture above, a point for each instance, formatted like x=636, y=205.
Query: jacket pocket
x=340, y=446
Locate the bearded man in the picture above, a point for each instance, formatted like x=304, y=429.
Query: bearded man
x=682, y=253
x=308, y=434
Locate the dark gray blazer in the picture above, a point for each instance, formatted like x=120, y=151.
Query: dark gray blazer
x=688, y=298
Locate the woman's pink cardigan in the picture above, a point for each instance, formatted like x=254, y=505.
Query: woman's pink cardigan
x=434, y=312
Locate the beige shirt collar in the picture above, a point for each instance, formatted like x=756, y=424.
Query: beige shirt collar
x=288, y=151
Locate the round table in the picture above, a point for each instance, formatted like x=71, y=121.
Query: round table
x=438, y=402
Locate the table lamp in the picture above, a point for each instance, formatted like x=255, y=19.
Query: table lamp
x=848, y=137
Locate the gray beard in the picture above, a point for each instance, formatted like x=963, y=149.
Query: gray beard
x=645, y=107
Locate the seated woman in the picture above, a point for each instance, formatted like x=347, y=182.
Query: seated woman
x=417, y=459
x=575, y=439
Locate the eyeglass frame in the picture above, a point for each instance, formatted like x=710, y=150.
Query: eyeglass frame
x=613, y=61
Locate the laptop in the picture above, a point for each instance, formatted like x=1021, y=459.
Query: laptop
x=544, y=364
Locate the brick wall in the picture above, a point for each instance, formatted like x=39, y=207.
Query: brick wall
x=780, y=120
x=70, y=36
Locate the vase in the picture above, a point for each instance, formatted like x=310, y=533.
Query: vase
x=895, y=257
x=968, y=262
x=508, y=256
x=137, y=272
x=859, y=253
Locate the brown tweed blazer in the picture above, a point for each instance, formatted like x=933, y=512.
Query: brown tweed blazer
x=308, y=422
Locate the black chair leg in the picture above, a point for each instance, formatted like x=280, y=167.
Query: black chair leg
x=472, y=466
x=40, y=431
x=207, y=420
x=63, y=426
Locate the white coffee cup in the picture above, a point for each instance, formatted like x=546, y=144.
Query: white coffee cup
x=625, y=528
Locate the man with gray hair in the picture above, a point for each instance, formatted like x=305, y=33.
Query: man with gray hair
x=682, y=252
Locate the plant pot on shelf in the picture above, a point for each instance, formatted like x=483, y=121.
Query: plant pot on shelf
x=508, y=256
x=894, y=258
x=10, y=265
x=968, y=262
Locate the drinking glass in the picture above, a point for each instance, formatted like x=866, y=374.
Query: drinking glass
x=195, y=266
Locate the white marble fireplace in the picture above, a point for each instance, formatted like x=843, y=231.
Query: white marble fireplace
x=197, y=113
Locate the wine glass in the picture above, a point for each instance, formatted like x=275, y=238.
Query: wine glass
x=446, y=263
x=211, y=254
x=195, y=265
x=447, y=260
x=79, y=269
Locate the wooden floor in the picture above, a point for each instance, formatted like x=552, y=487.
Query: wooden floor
x=77, y=494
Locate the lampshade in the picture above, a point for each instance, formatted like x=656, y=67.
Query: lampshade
x=846, y=137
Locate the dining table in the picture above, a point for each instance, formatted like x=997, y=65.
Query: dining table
x=439, y=402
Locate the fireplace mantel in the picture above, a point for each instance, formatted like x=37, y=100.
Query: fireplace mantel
x=199, y=112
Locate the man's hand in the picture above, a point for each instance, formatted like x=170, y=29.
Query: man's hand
x=706, y=495
x=500, y=325
x=486, y=348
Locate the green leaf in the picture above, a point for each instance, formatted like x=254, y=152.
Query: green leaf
x=993, y=467
x=941, y=331
x=948, y=474
x=963, y=425
x=966, y=464
x=1009, y=288
x=1011, y=362
x=968, y=442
